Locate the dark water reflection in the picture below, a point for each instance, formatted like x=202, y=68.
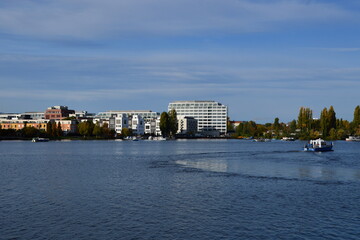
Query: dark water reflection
x=178, y=190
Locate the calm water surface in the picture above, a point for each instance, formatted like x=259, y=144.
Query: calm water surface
x=195, y=189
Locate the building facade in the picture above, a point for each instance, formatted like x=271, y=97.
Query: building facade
x=19, y=124
x=58, y=112
x=187, y=125
x=118, y=121
x=145, y=114
x=211, y=116
x=137, y=125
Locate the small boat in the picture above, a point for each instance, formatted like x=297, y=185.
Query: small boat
x=159, y=138
x=353, y=139
x=37, y=139
x=262, y=140
x=288, y=139
x=318, y=145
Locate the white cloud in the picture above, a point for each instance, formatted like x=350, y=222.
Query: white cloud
x=93, y=18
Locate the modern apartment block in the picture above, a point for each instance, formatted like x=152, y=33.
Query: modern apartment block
x=137, y=125
x=187, y=125
x=210, y=115
x=58, y=112
x=145, y=114
x=118, y=121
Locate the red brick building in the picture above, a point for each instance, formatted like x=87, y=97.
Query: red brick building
x=58, y=112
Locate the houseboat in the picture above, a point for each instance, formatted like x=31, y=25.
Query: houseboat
x=38, y=139
x=318, y=145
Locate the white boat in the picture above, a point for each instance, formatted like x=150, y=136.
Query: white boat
x=262, y=140
x=38, y=139
x=318, y=145
x=288, y=139
x=159, y=138
x=353, y=139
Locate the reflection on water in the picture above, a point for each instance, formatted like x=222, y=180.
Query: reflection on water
x=272, y=168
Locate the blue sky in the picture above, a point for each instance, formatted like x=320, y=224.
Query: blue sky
x=264, y=59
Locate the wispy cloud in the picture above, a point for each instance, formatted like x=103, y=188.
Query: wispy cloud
x=340, y=49
x=92, y=18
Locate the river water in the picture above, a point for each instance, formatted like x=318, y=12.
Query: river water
x=190, y=189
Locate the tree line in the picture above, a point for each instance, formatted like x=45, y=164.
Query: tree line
x=328, y=126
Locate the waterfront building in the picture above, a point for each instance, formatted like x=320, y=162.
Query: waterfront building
x=145, y=114
x=157, y=127
x=18, y=124
x=118, y=121
x=58, y=112
x=82, y=114
x=67, y=126
x=150, y=127
x=211, y=116
x=34, y=115
x=137, y=125
x=186, y=125
x=10, y=115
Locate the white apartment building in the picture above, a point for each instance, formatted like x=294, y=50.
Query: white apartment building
x=150, y=126
x=145, y=114
x=118, y=121
x=210, y=115
x=186, y=125
x=137, y=125
x=157, y=127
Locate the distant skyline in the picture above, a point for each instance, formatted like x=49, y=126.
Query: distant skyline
x=263, y=59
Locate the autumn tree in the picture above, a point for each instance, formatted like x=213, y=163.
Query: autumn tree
x=305, y=119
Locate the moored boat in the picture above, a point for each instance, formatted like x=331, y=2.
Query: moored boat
x=288, y=139
x=353, y=139
x=318, y=145
x=38, y=139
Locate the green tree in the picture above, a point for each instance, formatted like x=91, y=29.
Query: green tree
x=59, y=130
x=276, y=124
x=86, y=128
x=54, y=131
x=97, y=131
x=327, y=121
x=305, y=119
x=29, y=132
x=229, y=126
x=173, y=123
x=332, y=134
x=292, y=126
x=164, y=124
x=126, y=132
x=332, y=118
x=356, y=121
x=49, y=129
x=323, y=122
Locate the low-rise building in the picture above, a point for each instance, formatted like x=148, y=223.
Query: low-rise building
x=34, y=115
x=137, y=125
x=145, y=114
x=186, y=125
x=118, y=121
x=67, y=126
x=18, y=124
x=150, y=127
